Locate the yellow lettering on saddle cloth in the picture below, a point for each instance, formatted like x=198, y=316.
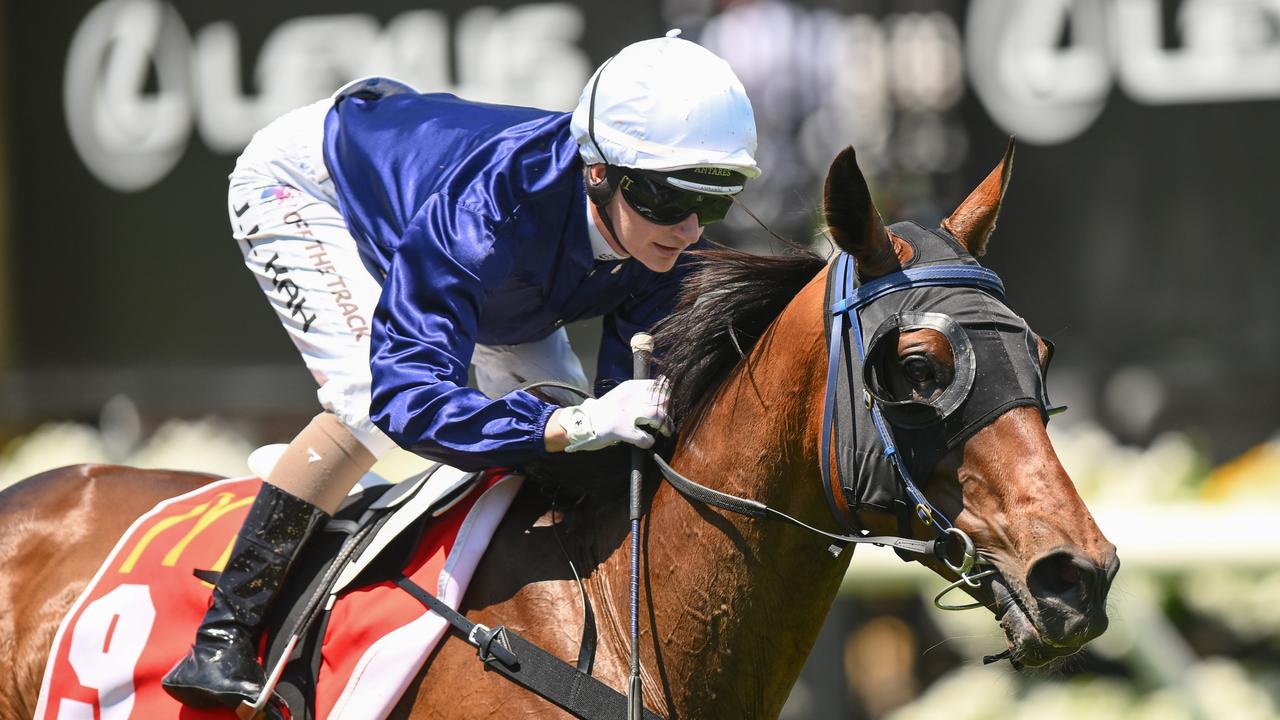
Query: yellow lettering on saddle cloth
x=207, y=512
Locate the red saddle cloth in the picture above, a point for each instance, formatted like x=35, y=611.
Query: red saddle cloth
x=139, y=614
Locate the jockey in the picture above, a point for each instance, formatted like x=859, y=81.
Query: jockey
x=403, y=237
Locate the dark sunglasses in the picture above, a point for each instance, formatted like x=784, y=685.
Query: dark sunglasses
x=658, y=202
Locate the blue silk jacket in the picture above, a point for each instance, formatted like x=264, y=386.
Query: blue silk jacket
x=475, y=217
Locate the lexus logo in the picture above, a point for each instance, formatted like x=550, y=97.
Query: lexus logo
x=139, y=84
x=127, y=135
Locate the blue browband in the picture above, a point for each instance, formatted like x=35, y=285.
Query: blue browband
x=855, y=298
x=848, y=299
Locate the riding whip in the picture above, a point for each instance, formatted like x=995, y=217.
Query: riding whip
x=641, y=352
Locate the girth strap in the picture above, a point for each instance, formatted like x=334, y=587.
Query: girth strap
x=530, y=666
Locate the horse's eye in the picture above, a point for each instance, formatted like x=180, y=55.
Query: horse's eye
x=917, y=368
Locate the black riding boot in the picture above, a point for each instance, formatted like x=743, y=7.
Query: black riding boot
x=222, y=667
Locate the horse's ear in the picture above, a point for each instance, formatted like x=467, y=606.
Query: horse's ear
x=853, y=220
x=973, y=221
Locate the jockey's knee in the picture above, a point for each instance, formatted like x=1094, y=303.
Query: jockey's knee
x=322, y=463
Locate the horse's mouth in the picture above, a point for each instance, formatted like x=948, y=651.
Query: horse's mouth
x=1028, y=647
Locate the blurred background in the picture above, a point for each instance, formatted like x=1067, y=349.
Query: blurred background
x=1137, y=234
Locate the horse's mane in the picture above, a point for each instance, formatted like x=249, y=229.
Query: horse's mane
x=724, y=306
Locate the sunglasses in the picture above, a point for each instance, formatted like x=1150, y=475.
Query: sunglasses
x=650, y=195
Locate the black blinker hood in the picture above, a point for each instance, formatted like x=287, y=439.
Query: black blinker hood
x=1006, y=374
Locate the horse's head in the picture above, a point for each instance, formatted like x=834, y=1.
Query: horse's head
x=958, y=378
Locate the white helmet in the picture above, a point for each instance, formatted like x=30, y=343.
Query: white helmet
x=666, y=104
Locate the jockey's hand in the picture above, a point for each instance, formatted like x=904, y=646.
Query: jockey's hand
x=628, y=413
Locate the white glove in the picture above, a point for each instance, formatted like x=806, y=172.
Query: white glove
x=618, y=416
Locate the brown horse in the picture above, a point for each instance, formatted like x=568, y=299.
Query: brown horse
x=730, y=605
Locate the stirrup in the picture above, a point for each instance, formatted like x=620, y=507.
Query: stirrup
x=275, y=709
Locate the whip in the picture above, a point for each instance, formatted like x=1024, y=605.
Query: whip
x=641, y=352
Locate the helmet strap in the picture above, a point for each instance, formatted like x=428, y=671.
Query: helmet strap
x=600, y=193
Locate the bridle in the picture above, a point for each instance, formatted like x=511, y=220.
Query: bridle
x=845, y=329
x=845, y=324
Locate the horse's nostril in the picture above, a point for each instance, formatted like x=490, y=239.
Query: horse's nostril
x=1070, y=574
x=1070, y=593
x=1056, y=574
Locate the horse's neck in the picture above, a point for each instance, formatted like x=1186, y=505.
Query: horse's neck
x=737, y=602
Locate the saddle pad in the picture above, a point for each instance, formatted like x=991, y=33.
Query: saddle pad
x=139, y=614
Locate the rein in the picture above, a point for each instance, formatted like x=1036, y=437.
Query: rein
x=752, y=508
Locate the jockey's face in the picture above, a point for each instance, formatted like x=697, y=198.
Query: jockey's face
x=655, y=246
